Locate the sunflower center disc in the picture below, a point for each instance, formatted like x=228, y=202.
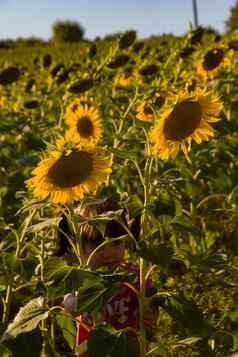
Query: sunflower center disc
x=72, y=170
x=213, y=59
x=85, y=127
x=183, y=120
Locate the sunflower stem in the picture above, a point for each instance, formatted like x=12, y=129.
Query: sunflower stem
x=144, y=232
x=228, y=90
x=100, y=246
x=9, y=292
x=141, y=309
x=78, y=246
x=122, y=119
x=146, y=181
x=108, y=58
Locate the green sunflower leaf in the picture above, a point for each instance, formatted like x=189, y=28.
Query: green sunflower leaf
x=183, y=224
x=27, y=319
x=68, y=327
x=104, y=340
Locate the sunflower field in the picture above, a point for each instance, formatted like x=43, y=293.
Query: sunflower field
x=153, y=125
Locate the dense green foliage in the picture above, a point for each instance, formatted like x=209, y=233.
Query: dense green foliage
x=192, y=207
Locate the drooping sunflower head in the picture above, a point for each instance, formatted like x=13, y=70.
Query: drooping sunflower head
x=215, y=60
x=66, y=176
x=84, y=123
x=187, y=119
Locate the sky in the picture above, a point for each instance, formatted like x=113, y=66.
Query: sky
x=25, y=18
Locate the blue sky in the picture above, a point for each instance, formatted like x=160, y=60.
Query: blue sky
x=100, y=17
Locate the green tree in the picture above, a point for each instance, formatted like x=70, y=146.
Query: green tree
x=232, y=22
x=67, y=31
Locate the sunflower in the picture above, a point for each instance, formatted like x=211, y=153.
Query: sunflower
x=213, y=62
x=124, y=79
x=189, y=118
x=84, y=123
x=73, y=107
x=67, y=175
x=146, y=110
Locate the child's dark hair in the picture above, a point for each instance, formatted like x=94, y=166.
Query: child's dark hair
x=114, y=228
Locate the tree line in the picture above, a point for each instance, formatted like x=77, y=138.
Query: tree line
x=67, y=31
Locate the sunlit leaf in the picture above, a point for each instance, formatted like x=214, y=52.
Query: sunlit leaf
x=27, y=319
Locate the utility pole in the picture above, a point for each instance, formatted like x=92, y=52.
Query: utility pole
x=195, y=13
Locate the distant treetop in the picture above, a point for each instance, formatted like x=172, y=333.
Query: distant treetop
x=67, y=31
x=232, y=22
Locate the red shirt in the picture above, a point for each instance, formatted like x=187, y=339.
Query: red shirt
x=121, y=311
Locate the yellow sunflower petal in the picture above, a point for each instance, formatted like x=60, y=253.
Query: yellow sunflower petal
x=69, y=177
x=84, y=123
x=188, y=119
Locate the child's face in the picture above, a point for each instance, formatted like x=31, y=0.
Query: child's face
x=110, y=255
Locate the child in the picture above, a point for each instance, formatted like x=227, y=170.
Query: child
x=122, y=309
